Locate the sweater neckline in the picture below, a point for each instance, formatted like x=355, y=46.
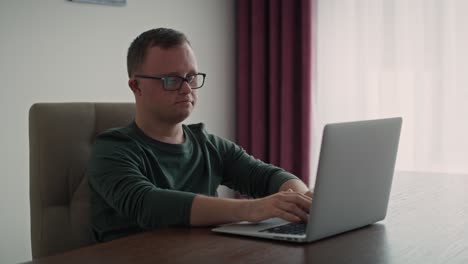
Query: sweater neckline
x=169, y=147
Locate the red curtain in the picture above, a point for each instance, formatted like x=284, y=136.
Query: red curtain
x=274, y=44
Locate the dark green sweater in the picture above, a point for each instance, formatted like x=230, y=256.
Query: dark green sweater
x=138, y=183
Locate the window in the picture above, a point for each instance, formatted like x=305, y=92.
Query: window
x=384, y=58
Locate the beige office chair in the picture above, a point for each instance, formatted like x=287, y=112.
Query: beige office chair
x=60, y=140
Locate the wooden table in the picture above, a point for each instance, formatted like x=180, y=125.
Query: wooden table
x=427, y=222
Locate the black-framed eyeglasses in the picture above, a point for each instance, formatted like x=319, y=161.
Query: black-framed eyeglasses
x=174, y=83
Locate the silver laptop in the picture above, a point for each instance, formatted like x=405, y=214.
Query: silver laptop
x=352, y=187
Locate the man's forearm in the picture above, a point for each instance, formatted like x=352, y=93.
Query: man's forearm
x=290, y=206
x=214, y=211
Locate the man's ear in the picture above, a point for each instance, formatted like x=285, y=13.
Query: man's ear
x=134, y=86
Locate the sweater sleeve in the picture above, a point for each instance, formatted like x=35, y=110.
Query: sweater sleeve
x=116, y=175
x=250, y=176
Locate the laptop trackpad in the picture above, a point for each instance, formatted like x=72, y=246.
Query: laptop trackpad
x=250, y=226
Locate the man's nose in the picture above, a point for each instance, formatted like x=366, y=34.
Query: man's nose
x=185, y=88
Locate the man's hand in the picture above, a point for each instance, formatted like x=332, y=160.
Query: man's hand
x=288, y=205
x=296, y=186
x=309, y=193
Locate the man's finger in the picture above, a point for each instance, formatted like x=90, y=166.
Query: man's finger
x=303, y=195
x=294, y=209
x=300, y=200
x=285, y=215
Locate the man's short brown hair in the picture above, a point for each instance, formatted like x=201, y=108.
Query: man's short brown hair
x=160, y=37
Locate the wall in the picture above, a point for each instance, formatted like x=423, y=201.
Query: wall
x=57, y=51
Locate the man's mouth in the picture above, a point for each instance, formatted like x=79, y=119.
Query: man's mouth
x=184, y=101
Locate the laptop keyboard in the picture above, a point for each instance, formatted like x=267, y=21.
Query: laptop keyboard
x=289, y=229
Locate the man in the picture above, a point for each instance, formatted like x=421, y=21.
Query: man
x=158, y=172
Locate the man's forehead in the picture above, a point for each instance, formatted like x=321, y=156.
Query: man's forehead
x=181, y=50
x=179, y=56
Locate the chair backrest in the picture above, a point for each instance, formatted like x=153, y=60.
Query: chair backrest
x=60, y=140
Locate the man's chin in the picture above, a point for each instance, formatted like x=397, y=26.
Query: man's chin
x=181, y=116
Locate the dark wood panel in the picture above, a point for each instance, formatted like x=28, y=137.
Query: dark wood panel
x=427, y=222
